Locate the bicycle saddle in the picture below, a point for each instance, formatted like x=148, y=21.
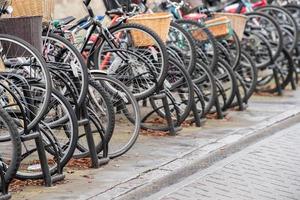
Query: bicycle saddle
x=66, y=20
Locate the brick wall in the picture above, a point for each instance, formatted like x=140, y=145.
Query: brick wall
x=65, y=8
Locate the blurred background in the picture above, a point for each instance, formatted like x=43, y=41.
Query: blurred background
x=75, y=8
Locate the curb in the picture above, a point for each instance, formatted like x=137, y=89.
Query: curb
x=152, y=181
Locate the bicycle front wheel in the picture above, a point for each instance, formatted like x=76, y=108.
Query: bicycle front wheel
x=23, y=64
x=151, y=50
x=127, y=115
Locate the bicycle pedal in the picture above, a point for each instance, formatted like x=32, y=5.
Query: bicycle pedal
x=103, y=161
x=5, y=196
x=58, y=177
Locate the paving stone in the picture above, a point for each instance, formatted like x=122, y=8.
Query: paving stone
x=268, y=172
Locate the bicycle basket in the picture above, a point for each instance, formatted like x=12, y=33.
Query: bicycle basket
x=238, y=22
x=158, y=22
x=44, y=8
x=220, y=27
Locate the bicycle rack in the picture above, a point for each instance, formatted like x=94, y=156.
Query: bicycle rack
x=197, y=119
x=48, y=179
x=171, y=127
x=40, y=147
x=83, y=116
x=275, y=72
x=5, y=195
x=217, y=105
x=239, y=99
x=96, y=161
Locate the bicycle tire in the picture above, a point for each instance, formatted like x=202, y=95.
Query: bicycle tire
x=161, y=67
x=12, y=167
x=79, y=71
x=187, y=40
x=199, y=43
x=110, y=84
x=44, y=69
x=290, y=17
x=71, y=144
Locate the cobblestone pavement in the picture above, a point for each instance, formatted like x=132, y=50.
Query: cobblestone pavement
x=265, y=171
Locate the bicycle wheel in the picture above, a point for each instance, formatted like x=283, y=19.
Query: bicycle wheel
x=284, y=67
x=205, y=42
x=183, y=44
x=61, y=55
x=152, y=51
x=127, y=115
x=11, y=148
x=14, y=103
x=21, y=61
x=283, y=2
x=227, y=83
x=204, y=79
x=287, y=24
x=294, y=10
x=179, y=90
x=199, y=102
x=246, y=74
x=230, y=50
x=59, y=130
x=263, y=38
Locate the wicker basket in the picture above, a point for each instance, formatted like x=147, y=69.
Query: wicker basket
x=220, y=27
x=238, y=22
x=158, y=22
x=44, y=8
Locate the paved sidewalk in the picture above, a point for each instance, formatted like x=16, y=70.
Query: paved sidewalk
x=157, y=162
x=265, y=171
